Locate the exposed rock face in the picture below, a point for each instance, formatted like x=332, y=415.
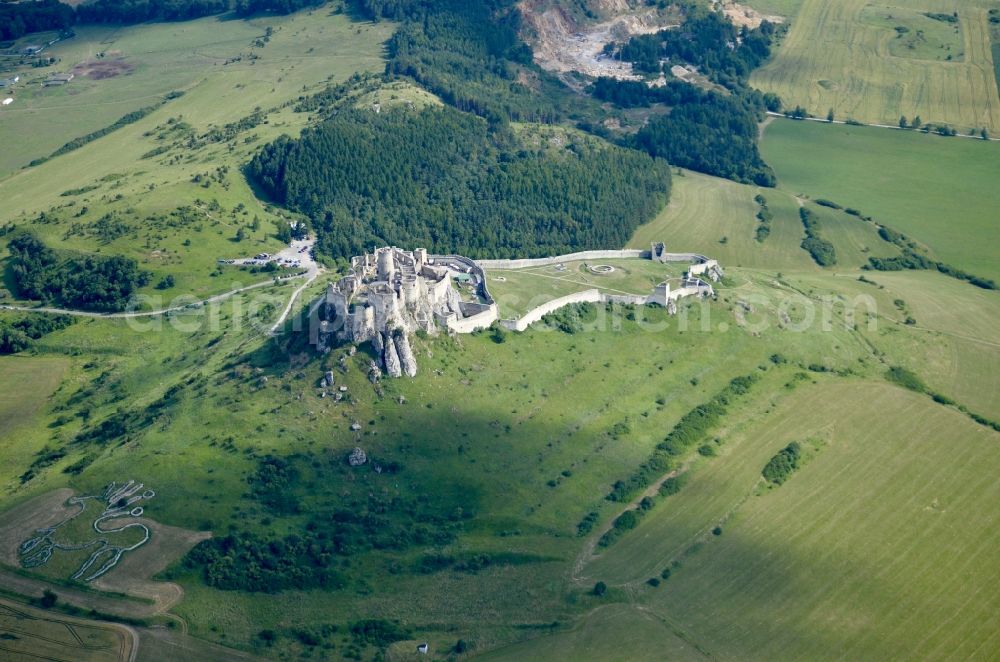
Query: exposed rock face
x=357, y=457
x=405, y=352
x=392, y=365
x=374, y=373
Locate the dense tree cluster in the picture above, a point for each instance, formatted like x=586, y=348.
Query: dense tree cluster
x=20, y=18
x=250, y=563
x=124, y=12
x=470, y=54
x=821, y=250
x=88, y=283
x=17, y=335
x=443, y=179
x=711, y=131
x=716, y=135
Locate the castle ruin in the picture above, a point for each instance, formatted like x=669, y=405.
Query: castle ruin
x=391, y=293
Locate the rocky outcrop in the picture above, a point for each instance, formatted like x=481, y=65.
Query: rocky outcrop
x=357, y=457
x=391, y=358
x=406, y=359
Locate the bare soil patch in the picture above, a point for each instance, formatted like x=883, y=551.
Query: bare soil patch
x=103, y=69
x=561, y=44
x=20, y=522
x=131, y=576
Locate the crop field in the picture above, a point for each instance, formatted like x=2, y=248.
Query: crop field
x=32, y=634
x=875, y=62
x=940, y=191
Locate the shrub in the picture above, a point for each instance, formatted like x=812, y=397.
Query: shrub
x=600, y=588
x=908, y=380
x=780, y=467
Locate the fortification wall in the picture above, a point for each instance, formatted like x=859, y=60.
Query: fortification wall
x=535, y=314
x=627, y=254
x=480, y=320
x=569, y=257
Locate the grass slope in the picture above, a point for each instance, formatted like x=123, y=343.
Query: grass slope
x=940, y=191
x=845, y=55
x=145, y=171
x=876, y=548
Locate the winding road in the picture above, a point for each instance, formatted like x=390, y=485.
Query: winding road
x=313, y=270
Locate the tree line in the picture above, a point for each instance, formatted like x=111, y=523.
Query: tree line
x=21, y=18
x=448, y=181
x=19, y=334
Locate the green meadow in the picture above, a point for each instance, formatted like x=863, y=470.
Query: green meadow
x=167, y=190
x=906, y=180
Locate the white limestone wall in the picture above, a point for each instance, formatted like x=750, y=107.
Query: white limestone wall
x=570, y=257
x=475, y=322
x=535, y=314
x=703, y=267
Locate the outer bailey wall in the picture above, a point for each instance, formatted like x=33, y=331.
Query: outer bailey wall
x=587, y=255
x=535, y=314
x=480, y=320
x=571, y=257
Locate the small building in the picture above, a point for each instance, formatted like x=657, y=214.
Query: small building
x=423, y=648
x=58, y=79
x=9, y=82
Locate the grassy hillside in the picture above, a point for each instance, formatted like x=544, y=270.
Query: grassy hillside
x=876, y=547
x=940, y=191
x=167, y=190
x=475, y=523
x=142, y=63
x=875, y=62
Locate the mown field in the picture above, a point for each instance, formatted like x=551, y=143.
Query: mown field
x=875, y=62
x=876, y=547
x=941, y=191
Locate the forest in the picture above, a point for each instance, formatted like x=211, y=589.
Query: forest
x=19, y=19
x=446, y=180
x=92, y=282
x=711, y=131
